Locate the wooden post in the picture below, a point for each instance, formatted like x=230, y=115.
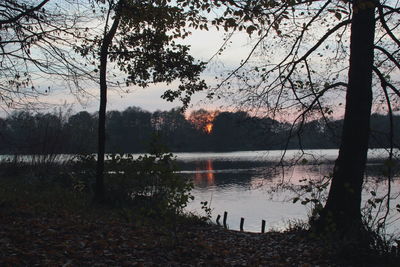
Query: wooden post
x=218, y=217
x=263, y=226
x=224, y=221
x=241, y=224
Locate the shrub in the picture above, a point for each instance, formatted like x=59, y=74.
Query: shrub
x=148, y=184
x=149, y=181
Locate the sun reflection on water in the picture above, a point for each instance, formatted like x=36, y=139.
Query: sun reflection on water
x=204, y=175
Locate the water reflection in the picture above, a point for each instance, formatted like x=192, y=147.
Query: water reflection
x=252, y=189
x=244, y=190
x=204, y=174
x=250, y=174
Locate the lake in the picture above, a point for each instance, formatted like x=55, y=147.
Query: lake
x=249, y=184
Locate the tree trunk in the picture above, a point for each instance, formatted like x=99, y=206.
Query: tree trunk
x=342, y=209
x=107, y=40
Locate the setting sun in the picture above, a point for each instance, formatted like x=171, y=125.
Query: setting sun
x=203, y=119
x=208, y=128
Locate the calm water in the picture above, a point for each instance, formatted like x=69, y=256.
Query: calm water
x=250, y=185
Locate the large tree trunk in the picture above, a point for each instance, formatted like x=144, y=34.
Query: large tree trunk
x=108, y=37
x=342, y=209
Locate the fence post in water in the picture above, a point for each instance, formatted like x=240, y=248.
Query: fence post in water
x=224, y=221
x=218, y=217
x=241, y=224
x=263, y=226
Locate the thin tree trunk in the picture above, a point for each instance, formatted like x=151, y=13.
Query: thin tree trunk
x=108, y=37
x=342, y=209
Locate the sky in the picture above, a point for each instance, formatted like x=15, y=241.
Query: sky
x=204, y=44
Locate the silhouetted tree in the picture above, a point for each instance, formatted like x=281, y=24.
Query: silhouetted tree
x=230, y=132
x=177, y=133
x=20, y=132
x=293, y=36
x=380, y=131
x=49, y=134
x=137, y=130
x=3, y=137
x=139, y=37
x=114, y=132
x=81, y=130
x=343, y=205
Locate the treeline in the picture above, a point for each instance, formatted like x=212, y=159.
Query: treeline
x=133, y=129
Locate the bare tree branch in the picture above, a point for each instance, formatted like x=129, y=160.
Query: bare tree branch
x=384, y=85
x=387, y=84
x=24, y=13
x=386, y=27
x=389, y=56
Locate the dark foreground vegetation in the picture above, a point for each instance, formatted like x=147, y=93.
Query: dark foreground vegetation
x=131, y=130
x=48, y=217
x=356, y=45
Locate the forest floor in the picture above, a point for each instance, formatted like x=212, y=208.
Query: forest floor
x=46, y=225
x=63, y=239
